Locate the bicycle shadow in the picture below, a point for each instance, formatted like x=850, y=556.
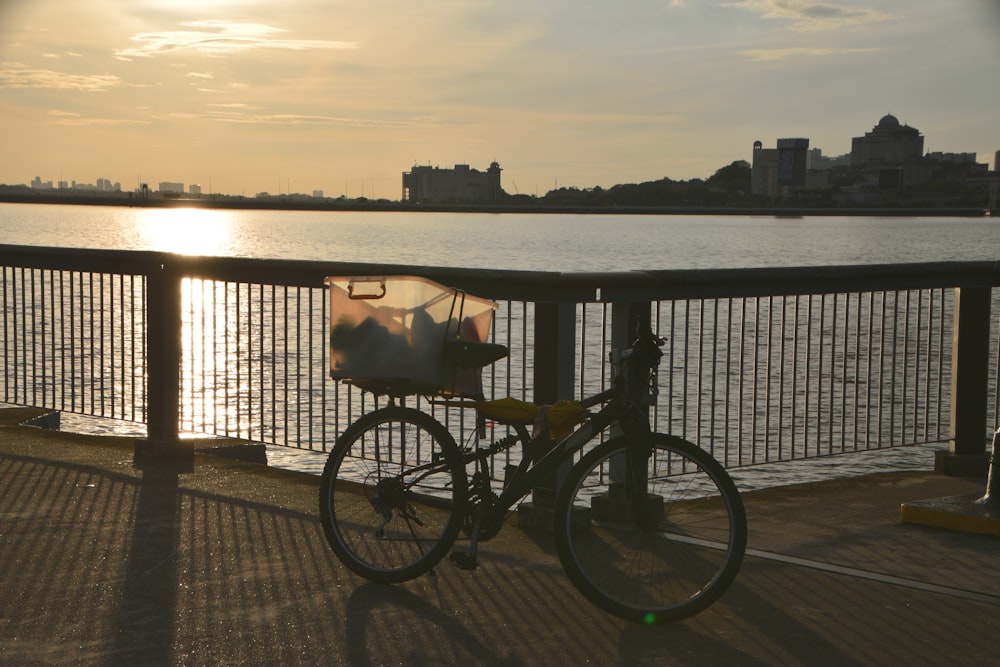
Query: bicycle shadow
x=411, y=619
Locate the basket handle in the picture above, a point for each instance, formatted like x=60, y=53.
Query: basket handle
x=351, y=294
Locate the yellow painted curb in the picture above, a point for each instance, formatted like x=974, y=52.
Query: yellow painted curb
x=968, y=514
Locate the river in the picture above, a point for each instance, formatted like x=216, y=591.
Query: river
x=530, y=241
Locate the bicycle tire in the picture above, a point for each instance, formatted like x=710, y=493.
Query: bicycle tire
x=634, y=569
x=392, y=494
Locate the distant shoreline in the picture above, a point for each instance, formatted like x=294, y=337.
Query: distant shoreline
x=305, y=204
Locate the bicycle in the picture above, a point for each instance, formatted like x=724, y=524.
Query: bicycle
x=648, y=526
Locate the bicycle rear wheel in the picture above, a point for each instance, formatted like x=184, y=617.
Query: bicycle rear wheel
x=392, y=494
x=660, y=554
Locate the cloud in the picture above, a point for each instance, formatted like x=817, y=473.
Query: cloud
x=69, y=118
x=17, y=75
x=218, y=38
x=237, y=114
x=812, y=16
x=797, y=52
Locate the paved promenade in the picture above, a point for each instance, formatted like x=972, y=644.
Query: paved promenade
x=104, y=564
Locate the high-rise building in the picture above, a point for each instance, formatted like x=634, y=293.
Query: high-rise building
x=792, y=158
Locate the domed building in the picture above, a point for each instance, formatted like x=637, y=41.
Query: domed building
x=891, y=155
x=888, y=142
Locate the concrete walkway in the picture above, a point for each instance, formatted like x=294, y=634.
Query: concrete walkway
x=102, y=564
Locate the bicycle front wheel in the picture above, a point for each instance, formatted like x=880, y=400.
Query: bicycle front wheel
x=392, y=494
x=650, y=539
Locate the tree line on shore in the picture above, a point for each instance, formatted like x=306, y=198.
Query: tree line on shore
x=730, y=187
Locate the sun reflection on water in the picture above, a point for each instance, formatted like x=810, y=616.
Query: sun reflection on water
x=187, y=231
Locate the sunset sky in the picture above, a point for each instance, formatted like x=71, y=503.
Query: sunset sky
x=246, y=96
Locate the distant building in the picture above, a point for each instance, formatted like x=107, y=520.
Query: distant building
x=318, y=194
x=38, y=184
x=792, y=155
x=105, y=185
x=461, y=185
x=175, y=188
x=764, y=170
x=891, y=156
x=816, y=161
x=194, y=189
x=774, y=170
x=955, y=158
x=888, y=142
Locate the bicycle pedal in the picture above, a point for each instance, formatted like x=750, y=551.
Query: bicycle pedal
x=464, y=561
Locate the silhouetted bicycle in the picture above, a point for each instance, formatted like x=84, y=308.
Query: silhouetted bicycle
x=648, y=526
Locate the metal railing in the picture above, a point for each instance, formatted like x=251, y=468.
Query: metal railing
x=760, y=364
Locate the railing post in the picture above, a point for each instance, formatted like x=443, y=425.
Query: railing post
x=554, y=373
x=163, y=358
x=624, y=318
x=969, y=382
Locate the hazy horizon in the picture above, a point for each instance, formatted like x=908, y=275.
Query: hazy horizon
x=246, y=96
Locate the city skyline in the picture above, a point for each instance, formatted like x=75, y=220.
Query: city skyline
x=305, y=96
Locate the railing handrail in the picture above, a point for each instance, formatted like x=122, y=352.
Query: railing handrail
x=552, y=286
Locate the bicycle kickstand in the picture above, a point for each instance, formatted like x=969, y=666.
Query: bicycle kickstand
x=469, y=560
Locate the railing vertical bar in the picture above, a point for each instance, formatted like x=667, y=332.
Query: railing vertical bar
x=670, y=375
x=906, y=366
x=795, y=375
x=782, y=334
x=20, y=355
x=727, y=440
x=714, y=373
x=833, y=372
x=699, y=371
x=140, y=345
x=755, y=347
x=894, y=360
x=806, y=415
x=298, y=365
x=820, y=406
x=767, y=378
x=311, y=336
x=844, y=373
x=324, y=366
x=740, y=375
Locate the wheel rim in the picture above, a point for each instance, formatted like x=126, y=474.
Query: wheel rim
x=385, y=520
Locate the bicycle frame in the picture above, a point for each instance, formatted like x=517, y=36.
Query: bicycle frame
x=529, y=473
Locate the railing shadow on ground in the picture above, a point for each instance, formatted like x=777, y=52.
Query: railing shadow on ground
x=148, y=610
x=119, y=567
